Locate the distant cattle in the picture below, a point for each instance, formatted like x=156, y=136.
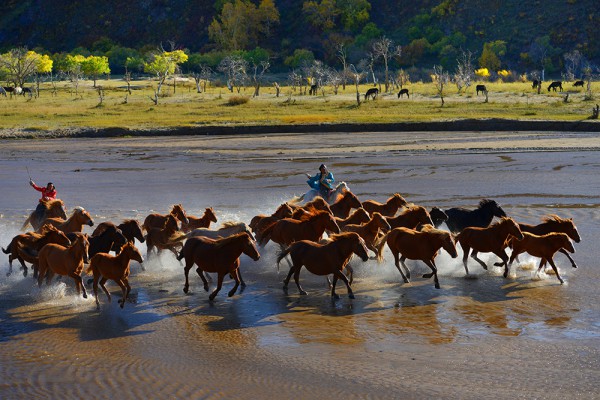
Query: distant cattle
x=578, y=83
x=554, y=85
x=480, y=88
x=536, y=84
x=403, y=92
x=28, y=91
x=372, y=93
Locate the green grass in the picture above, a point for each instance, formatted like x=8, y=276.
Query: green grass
x=185, y=107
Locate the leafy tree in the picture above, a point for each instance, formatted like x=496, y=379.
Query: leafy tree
x=321, y=14
x=94, y=66
x=299, y=58
x=490, y=56
x=20, y=64
x=164, y=64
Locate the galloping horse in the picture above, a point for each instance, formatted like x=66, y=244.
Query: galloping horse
x=221, y=256
x=202, y=222
x=130, y=228
x=387, y=209
x=312, y=193
x=68, y=261
x=162, y=238
x=261, y=221
x=159, y=220
x=105, y=266
x=33, y=242
x=52, y=209
x=346, y=202
x=491, y=239
x=438, y=216
x=227, y=229
x=310, y=227
x=544, y=246
x=110, y=238
x=461, y=218
x=75, y=223
x=324, y=259
x=369, y=231
x=417, y=245
x=358, y=217
x=410, y=218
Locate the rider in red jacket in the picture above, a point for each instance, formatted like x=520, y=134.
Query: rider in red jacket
x=48, y=192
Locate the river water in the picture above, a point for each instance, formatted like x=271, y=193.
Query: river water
x=522, y=337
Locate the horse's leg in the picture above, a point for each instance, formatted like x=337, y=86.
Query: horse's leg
x=203, y=277
x=286, y=281
x=49, y=276
x=338, y=274
x=504, y=257
x=350, y=274
x=121, y=301
x=219, y=285
x=466, y=251
x=474, y=257
x=566, y=253
x=402, y=260
x=239, y=273
x=551, y=262
x=431, y=264
x=397, y=263
x=297, y=280
x=235, y=274
x=78, y=283
x=333, y=293
x=186, y=272
x=96, y=277
x=102, y=285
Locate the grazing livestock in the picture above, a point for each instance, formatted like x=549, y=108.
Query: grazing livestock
x=536, y=83
x=403, y=92
x=130, y=228
x=51, y=209
x=578, y=83
x=372, y=93
x=162, y=238
x=480, y=88
x=313, y=90
x=554, y=85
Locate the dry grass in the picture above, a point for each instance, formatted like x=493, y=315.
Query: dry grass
x=185, y=107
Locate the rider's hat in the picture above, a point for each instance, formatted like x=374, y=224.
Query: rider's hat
x=323, y=166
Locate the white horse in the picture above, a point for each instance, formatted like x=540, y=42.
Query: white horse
x=312, y=193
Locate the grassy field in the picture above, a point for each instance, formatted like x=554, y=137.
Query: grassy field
x=186, y=108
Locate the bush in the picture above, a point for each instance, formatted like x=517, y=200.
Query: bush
x=237, y=100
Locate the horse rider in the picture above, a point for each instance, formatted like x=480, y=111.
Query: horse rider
x=48, y=193
x=323, y=181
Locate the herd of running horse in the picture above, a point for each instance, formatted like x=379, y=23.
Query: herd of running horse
x=319, y=236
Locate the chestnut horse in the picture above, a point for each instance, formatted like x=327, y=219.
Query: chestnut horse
x=324, y=259
x=68, y=261
x=369, y=231
x=202, y=222
x=481, y=217
x=341, y=208
x=221, y=256
x=421, y=245
x=75, y=223
x=488, y=240
x=33, y=242
x=544, y=247
x=52, y=209
x=387, y=209
x=359, y=216
x=262, y=220
x=410, y=218
x=159, y=220
x=106, y=266
x=310, y=227
x=162, y=238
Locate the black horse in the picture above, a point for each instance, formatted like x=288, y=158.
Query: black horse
x=555, y=85
x=461, y=218
x=438, y=216
x=403, y=92
x=373, y=92
x=480, y=88
x=535, y=84
x=110, y=238
x=578, y=83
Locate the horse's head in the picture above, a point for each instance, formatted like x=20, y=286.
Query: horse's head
x=210, y=213
x=565, y=242
x=361, y=215
x=283, y=211
x=178, y=212
x=83, y=216
x=135, y=229
x=438, y=216
x=381, y=222
x=55, y=236
x=360, y=248
x=398, y=200
x=512, y=228
x=250, y=247
x=448, y=244
x=422, y=214
x=132, y=252
x=330, y=223
x=564, y=225
x=493, y=207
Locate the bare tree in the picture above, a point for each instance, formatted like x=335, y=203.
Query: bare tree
x=358, y=74
x=315, y=73
x=402, y=78
x=384, y=48
x=342, y=55
x=465, y=72
x=572, y=64
x=440, y=79
x=334, y=78
x=202, y=77
x=259, y=71
x=235, y=69
x=590, y=72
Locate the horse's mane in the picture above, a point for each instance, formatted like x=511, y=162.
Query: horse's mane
x=501, y=221
x=231, y=224
x=78, y=209
x=311, y=211
x=487, y=203
x=53, y=203
x=554, y=218
x=342, y=235
x=130, y=221
x=224, y=241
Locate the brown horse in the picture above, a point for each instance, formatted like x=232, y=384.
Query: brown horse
x=310, y=227
x=358, y=217
x=52, y=209
x=75, y=223
x=421, y=245
x=317, y=203
x=387, y=209
x=262, y=220
x=410, y=218
x=341, y=208
x=68, y=261
x=324, y=259
x=162, y=238
x=488, y=240
x=369, y=231
x=221, y=256
x=202, y=222
x=105, y=266
x=22, y=245
x=544, y=247
x=130, y=228
x=159, y=220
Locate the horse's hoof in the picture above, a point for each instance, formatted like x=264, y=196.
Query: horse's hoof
x=122, y=304
x=351, y=295
x=231, y=293
x=243, y=284
x=406, y=280
x=185, y=290
x=303, y=293
x=8, y=273
x=206, y=288
x=437, y=285
x=211, y=297
x=574, y=266
x=335, y=296
x=85, y=296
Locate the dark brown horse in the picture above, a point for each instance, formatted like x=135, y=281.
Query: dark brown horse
x=310, y=227
x=52, y=209
x=162, y=238
x=74, y=223
x=22, y=246
x=544, y=247
x=202, y=222
x=387, y=209
x=67, y=261
x=110, y=238
x=221, y=256
x=341, y=208
x=324, y=259
x=158, y=220
x=358, y=217
x=412, y=217
x=130, y=228
x=106, y=266
x=261, y=221
x=421, y=245
x=491, y=239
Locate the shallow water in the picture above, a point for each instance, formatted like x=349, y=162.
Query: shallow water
x=524, y=337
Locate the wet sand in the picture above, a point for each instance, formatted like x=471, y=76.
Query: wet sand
x=522, y=337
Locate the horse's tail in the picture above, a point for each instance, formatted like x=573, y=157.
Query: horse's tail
x=180, y=256
x=379, y=245
x=264, y=236
x=7, y=250
x=27, y=222
x=177, y=238
x=297, y=199
x=281, y=255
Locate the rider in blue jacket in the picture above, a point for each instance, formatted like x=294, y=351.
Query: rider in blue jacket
x=323, y=181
